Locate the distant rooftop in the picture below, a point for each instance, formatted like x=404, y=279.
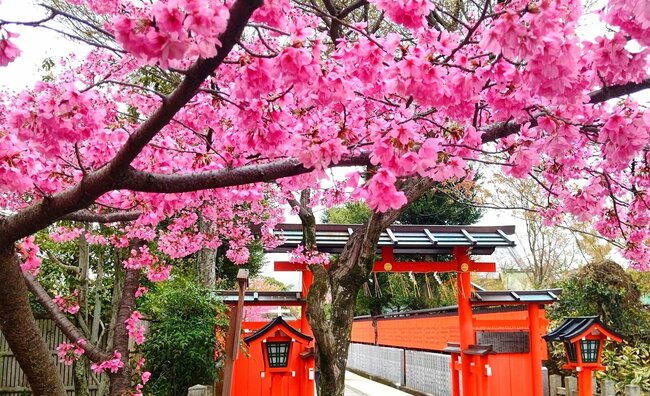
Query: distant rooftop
x=405, y=239
x=498, y=297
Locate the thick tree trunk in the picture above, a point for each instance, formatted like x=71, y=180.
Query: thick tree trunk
x=206, y=259
x=121, y=381
x=81, y=369
x=19, y=327
x=118, y=286
x=343, y=280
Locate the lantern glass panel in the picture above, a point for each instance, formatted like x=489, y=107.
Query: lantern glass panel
x=278, y=353
x=571, y=351
x=589, y=350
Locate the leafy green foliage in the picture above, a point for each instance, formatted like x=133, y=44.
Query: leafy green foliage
x=628, y=365
x=439, y=209
x=350, y=213
x=605, y=289
x=226, y=270
x=179, y=348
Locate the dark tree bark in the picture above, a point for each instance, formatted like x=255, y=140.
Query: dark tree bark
x=206, y=258
x=121, y=381
x=19, y=327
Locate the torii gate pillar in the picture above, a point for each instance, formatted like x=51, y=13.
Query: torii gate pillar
x=464, y=284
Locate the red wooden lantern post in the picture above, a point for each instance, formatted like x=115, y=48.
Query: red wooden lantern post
x=583, y=342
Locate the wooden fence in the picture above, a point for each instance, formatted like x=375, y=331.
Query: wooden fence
x=568, y=386
x=12, y=379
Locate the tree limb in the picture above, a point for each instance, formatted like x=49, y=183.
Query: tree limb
x=504, y=129
x=184, y=182
x=93, y=217
x=68, y=328
x=58, y=262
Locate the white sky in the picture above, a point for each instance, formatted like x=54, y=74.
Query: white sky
x=37, y=44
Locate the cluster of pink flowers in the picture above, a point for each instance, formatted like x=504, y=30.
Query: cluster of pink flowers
x=65, y=234
x=632, y=16
x=141, y=258
x=142, y=290
x=28, y=251
x=53, y=116
x=69, y=303
x=145, y=376
x=305, y=256
x=172, y=30
x=157, y=270
x=381, y=193
x=135, y=328
x=69, y=353
x=272, y=13
x=112, y=365
x=410, y=13
x=614, y=63
x=8, y=50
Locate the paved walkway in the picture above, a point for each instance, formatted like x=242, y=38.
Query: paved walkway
x=356, y=385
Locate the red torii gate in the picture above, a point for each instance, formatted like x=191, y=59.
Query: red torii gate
x=460, y=242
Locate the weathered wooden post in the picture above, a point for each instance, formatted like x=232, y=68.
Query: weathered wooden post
x=554, y=382
x=608, y=388
x=571, y=385
x=234, y=331
x=632, y=390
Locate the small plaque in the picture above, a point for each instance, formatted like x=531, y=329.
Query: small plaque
x=464, y=267
x=505, y=341
x=388, y=267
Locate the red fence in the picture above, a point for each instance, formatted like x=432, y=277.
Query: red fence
x=431, y=330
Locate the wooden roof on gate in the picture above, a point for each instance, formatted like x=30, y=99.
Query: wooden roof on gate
x=404, y=239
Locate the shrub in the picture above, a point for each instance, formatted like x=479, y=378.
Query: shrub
x=179, y=350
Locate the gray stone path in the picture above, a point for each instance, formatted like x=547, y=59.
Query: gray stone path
x=356, y=385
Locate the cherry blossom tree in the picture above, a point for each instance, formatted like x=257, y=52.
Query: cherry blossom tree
x=255, y=100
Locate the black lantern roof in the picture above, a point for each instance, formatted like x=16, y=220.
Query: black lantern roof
x=276, y=322
x=405, y=239
x=578, y=326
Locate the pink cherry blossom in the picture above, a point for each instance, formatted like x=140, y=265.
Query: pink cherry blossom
x=28, y=251
x=69, y=303
x=69, y=353
x=8, y=50
x=135, y=328
x=112, y=365
x=409, y=13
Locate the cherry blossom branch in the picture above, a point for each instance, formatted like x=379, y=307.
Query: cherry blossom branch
x=92, y=217
x=68, y=328
x=83, y=40
x=614, y=91
x=502, y=129
x=470, y=32
x=58, y=262
x=30, y=23
x=56, y=11
x=128, y=85
x=167, y=183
